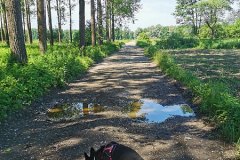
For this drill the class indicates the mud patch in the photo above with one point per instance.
(149, 111)
(73, 111)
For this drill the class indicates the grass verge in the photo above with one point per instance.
(22, 84)
(214, 99)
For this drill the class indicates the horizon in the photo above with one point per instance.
(160, 11)
(150, 14)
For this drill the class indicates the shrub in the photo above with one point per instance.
(150, 51)
(143, 40)
(20, 85)
(142, 43)
(219, 44)
(177, 41)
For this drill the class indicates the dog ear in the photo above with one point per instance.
(92, 153)
(86, 156)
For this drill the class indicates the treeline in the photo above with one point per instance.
(120, 34)
(202, 23)
(107, 19)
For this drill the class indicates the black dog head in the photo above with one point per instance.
(92, 155)
(114, 151)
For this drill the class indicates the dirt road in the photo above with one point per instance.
(121, 79)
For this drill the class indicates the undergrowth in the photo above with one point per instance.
(215, 99)
(22, 84)
(176, 42)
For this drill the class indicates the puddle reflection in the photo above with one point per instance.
(150, 111)
(73, 110)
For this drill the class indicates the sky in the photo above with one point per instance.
(152, 12)
(155, 12)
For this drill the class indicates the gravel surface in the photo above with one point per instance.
(125, 77)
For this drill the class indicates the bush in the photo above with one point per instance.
(228, 44)
(205, 32)
(143, 43)
(143, 40)
(219, 44)
(20, 85)
(177, 41)
(150, 51)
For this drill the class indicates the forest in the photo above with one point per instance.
(108, 69)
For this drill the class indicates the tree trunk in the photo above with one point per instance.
(28, 18)
(93, 23)
(42, 29)
(59, 20)
(16, 36)
(82, 23)
(107, 19)
(2, 30)
(50, 22)
(110, 20)
(23, 21)
(100, 21)
(5, 22)
(70, 20)
(212, 29)
(113, 21)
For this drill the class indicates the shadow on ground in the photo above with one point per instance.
(124, 77)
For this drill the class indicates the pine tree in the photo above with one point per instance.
(82, 23)
(93, 23)
(16, 36)
(42, 29)
(50, 22)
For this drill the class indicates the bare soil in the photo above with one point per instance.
(120, 79)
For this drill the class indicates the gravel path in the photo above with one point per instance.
(120, 79)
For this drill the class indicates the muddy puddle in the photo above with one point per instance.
(151, 112)
(70, 111)
(144, 110)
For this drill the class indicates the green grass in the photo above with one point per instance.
(180, 42)
(221, 66)
(214, 98)
(123, 41)
(219, 44)
(22, 84)
(143, 43)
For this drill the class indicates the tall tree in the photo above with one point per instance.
(71, 6)
(212, 11)
(93, 23)
(50, 22)
(122, 10)
(5, 22)
(28, 20)
(107, 4)
(23, 18)
(113, 21)
(58, 8)
(61, 17)
(187, 13)
(100, 22)
(42, 29)
(17, 43)
(82, 23)
(70, 19)
(2, 27)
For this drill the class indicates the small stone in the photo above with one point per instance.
(187, 138)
